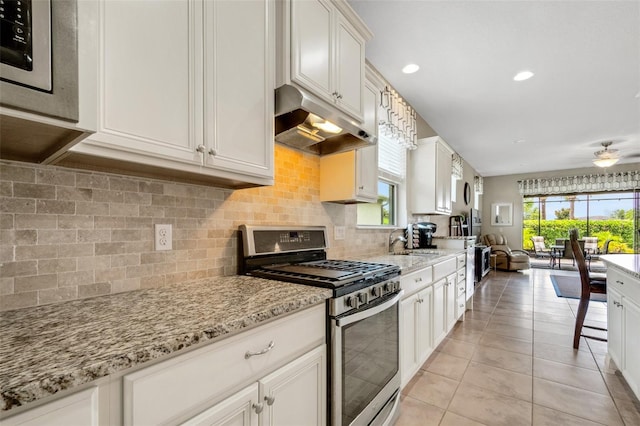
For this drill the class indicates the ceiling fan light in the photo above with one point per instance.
(605, 162)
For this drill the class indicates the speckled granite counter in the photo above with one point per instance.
(629, 263)
(51, 348)
(414, 260)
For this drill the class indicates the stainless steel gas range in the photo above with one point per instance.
(363, 317)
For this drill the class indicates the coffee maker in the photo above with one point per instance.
(420, 235)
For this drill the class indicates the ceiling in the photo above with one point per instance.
(586, 87)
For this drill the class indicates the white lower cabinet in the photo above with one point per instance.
(415, 323)
(439, 310)
(237, 410)
(614, 326)
(623, 311)
(428, 312)
(80, 408)
(451, 299)
(272, 355)
(292, 395)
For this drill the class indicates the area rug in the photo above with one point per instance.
(568, 286)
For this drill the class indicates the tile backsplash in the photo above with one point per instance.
(70, 234)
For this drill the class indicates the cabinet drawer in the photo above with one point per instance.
(416, 281)
(174, 388)
(626, 285)
(461, 304)
(461, 287)
(442, 269)
(462, 261)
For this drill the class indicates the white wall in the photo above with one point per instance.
(504, 189)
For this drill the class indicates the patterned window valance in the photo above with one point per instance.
(456, 166)
(398, 119)
(623, 181)
(478, 184)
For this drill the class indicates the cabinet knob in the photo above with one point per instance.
(201, 149)
(334, 94)
(420, 300)
(270, 400)
(258, 407)
(213, 152)
(339, 96)
(418, 280)
(620, 282)
(361, 187)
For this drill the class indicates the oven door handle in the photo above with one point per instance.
(349, 319)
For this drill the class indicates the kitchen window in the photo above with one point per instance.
(392, 165)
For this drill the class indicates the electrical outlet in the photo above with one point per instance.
(338, 232)
(163, 236)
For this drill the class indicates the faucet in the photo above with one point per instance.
(393, 240)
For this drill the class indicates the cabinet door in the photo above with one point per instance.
(312, 58)
(237, 410)
(367, 173)
(443, 179)
(451, 299)
(408, 338)
(614, 326)
(80, 408)
(439, 311)
(423, 324)
(296, 393)
(349, 68)
(631, 331)
(239, 83)
(147, 75)
(367, 158)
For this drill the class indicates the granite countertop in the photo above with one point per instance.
(47, 349)
(629, 263)
(413, 260)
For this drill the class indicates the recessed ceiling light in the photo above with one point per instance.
(410, 69)
(523, 75)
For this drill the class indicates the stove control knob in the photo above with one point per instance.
(350, 301)
(362, 298)
(375, 291)
(386, 288)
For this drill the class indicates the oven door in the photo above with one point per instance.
(365, 379)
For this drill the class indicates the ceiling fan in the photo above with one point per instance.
(606, 157)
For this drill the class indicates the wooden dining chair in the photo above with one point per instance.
(589, 284)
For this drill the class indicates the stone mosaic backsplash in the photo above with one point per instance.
(69, 234)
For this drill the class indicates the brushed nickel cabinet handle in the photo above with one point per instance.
(258, 407)
(270, 400)
(249, 354)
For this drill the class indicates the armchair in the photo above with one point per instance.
(507, 259)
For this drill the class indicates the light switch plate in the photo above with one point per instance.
(163, 237)
(338, 232)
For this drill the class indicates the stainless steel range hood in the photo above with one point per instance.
(301, 123)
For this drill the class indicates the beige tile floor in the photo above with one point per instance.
(511, 362)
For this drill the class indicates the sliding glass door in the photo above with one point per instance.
(612, 217)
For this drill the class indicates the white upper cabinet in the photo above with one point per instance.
(430, 177)
(326, 45)
(185, 93)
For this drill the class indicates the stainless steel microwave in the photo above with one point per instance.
(39, 57)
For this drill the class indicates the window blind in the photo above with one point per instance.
(392, 159)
